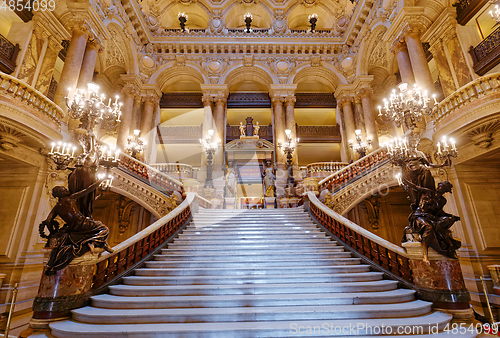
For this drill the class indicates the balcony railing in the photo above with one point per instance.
(319, 134)
(14, 89)
(176, 170)
(486, 55)
(466, 9)
(8, 55)
(456, 105)
(354, 170)
(324, 169)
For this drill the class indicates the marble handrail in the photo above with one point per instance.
(353, 169)
(324, 167)
(384, 253)
(149, 173)
(478, 88)
(132, 250)
(22, 92)
(175, 168)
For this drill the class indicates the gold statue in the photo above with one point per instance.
(242, 130)
(256, 128)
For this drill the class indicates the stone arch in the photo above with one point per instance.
(169, 73)
(320, 74)
(198, 14)
(297, 15)
(258, 73)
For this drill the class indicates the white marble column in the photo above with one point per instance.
(279, 129)
(350, 124)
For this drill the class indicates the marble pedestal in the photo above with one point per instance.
(68, 289)
(440, 282)
(495, 277)
(269, 202)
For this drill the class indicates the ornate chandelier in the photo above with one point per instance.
(89, 107)
(406, 107)
(288, 148)
(495, 14)
(60, 154)
(361, 147)
(135, 144)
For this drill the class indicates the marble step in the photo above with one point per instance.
(325, 299)
(251, 289)
(214, 257)
(300, 247)
(258, 236)
(298, 264)
(248, 258)
(242, 271)
(262, 329)
(256, 279)
(258, 231)
(263, 313)
(248, 223)
(243, 241)
(251, 251)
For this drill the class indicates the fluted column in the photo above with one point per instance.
(290, 122)
(88, 64)
(370, 125)
(219, 129)
(404, 64)
(72, 65)
(124, 127)
(419, 61)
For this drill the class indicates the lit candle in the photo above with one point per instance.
(63, 148)
(109, 103)
(434, 97)
(73, 153)
(439, 148)
(379, 110)
(453, 147)
(52, 150)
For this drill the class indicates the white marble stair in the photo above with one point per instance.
(252, 273)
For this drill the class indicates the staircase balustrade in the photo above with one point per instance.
(376, 249)
(142, 245)
(150, 174)
(352, 171)
(322, 169)
(178, 169)
(42, 107)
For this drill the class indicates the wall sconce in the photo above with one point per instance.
(248, 22)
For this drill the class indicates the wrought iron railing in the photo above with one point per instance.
(486, 55)
(467, 9)
(8, 55)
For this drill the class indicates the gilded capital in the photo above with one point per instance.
(398, 46)
(290, 99)
(365, 92)
(94, 44)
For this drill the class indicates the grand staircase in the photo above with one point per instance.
(254, 273)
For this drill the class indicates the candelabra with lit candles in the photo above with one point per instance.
(361, 147)
(135, 144)
(288, 148)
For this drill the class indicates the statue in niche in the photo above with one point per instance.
(269, 178)
(242, 130)
(256, 128)
(230, 187)
(79, 235)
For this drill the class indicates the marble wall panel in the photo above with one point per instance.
(46, 71)
(458, 60)
(31, 57)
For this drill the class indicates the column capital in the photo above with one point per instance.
(282, 91)
(343, 100)
(207, 99)
(290, 99)
(398, 46)
(365, 92)
(95, 44)
(215, 90)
